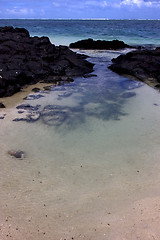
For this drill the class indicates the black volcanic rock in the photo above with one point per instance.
(2, 105)
(99, 44)
(141, 64)
(27, 60)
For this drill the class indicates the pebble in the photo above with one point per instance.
(2, 105)
(2, 116)
(17, 154)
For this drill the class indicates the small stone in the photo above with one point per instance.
(47, 88)
(157, 85)
(20, 112)
(89, 75)
(36, 89)
(2, 116)
(17, 154)
(24, 106)
(2, 105)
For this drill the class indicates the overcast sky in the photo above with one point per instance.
(75, 9)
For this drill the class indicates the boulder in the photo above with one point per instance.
(99, 44)
(144, 65)
(27, 60)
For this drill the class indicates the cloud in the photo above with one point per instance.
(19, 11)
(140, 3)
(79, 9)
(104, 3)
(96, 3)
(55, 4)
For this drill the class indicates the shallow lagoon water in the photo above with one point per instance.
(91, 158)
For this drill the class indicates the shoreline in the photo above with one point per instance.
(20, 96)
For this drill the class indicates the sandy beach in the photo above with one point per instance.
(68, 189)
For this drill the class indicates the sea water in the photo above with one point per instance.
(91, 164)
(135, 32)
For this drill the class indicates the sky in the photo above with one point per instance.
(80, 9)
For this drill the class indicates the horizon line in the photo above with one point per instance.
(84, 19)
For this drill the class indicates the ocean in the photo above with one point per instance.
(92, 172)
(63, 32)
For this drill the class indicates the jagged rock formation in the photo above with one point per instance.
(99, 44)
(141, 64)
(25, 60)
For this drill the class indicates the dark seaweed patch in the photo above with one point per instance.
(28, 107)
(33, 97)
(53, 116)
(30, 117)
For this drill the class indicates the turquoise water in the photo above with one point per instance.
(136, 32)
(91, 156)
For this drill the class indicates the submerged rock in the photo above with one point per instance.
(17, 154)
(28, 107)
(30, 116)
(26, 60)
(53, 115)
(33, 97)
(33, 116)
(99, 44)
(141, 64)
(20, 112)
